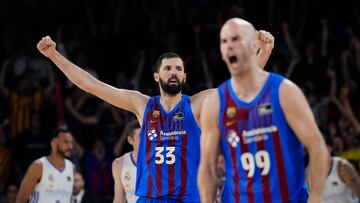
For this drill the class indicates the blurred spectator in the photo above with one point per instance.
(97, 165)
(10, 195)
(80, 195)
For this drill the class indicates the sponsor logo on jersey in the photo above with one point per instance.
(258, 134)
(152, 134)
(230, 122)
(231, 112)
(51, 177)
(265, 109)
(172, 135)
(233, 138)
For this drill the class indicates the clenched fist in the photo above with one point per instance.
(46, 46)
(266, 40)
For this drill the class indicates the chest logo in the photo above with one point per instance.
(231, 112)
(178, 116)
(265, 109)
(233, 139)
(51, 177)
(155, 114)
(127, 176)
(152, 134)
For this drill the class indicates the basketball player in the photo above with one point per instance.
(343, 182)
(169, 153)
(124, 168)
(50, 178)
(261, 121)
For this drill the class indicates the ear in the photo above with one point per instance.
(53, 143)
(156, 76)
(255, 46)
(130, 140)
(185, 77)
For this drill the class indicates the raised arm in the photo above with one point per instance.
(129, 100)
(210, 139)
(302, 122)
(119, 193)
(31, 178)
(266, 42)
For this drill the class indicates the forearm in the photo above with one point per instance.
(318, 168)
(207, 183)
(79, 77)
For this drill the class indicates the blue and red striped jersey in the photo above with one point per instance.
(263, 158)
(169, 152)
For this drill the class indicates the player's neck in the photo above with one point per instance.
(247, 85)
(134, 155)
(57, 160)
(169, 102)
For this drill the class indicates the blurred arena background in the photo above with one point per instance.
(317, 45)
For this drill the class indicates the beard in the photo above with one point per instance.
(172, 89)
(62, 153)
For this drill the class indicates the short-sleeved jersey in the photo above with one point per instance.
(263, 157)
(169, 152)
(55, 186)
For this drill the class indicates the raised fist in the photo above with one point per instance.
(46, 46)
(266, 40)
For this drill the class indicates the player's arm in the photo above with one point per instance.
(300, 118)
(210, 139)
(119, 193)
(266, 43)
(349, 176)
(129, 100)
(31, 178)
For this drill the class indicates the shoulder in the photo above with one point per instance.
(35, 169)
(118, 162)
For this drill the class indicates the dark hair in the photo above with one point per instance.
(131, 127)
(168, 55)
(57, 132)
(326, 135)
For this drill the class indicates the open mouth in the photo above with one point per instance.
(173, 80)
(233, 59)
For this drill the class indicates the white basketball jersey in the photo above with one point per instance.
(128, 178)
(335, 190)
(55, 186)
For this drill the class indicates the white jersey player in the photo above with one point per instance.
(342, 183)
(50, 178)
(124, 168)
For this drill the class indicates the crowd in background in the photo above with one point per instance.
(317, 45)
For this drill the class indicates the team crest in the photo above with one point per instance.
(233, 139)
(156, 114)
(231, 112)
(152, 134)
(51, 177)
(178, 116)
(264, 109)
(127, 176)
